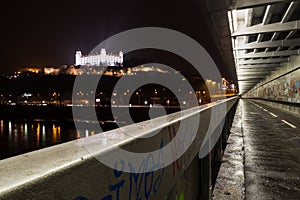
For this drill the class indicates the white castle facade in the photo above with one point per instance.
(102, 59)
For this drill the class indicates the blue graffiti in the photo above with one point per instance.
(117, 186)
(149, 181)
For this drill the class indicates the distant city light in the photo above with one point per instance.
(27, 95)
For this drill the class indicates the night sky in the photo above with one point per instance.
(47, 33)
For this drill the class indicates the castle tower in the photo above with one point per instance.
(78, 56)
(121, 57)
(103, 56)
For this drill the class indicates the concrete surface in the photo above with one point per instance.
(230, 181)
(271, 152)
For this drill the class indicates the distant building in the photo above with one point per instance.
(35, 70)
(52, 70)
(102, 59)
(72, 70)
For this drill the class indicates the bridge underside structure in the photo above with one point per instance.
(265, 39)
(258, 40)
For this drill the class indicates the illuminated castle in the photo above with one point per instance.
(102, 59)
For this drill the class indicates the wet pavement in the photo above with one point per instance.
(230, 181)
(271, 154)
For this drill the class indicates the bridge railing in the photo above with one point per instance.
(74, 170)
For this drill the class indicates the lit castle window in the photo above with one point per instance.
(102, 59)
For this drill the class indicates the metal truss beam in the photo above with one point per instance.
(275, 27)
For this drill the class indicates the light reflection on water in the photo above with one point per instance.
(26, 131)
(9, 130)
(21, 136)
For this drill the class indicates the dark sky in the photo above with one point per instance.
(47, 33)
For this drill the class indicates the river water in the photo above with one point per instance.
(21, 133)
(21, 136)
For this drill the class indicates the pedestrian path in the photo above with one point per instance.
(271, 154)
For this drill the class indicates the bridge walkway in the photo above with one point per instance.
(262, 158)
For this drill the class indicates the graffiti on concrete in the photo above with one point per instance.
(285, 88)
(141, 185)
